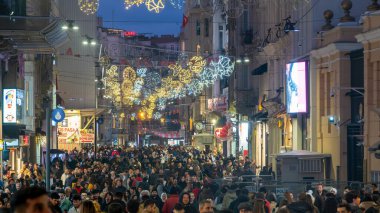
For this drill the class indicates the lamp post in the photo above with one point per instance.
(47, 107)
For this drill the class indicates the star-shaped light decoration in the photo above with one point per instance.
(155, 5)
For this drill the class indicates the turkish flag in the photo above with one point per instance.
(185, 20)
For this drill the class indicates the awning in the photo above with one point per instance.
(42, 35)
(260, 116)
(260, 70)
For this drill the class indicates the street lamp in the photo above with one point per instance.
(69, 25)
(89, 41)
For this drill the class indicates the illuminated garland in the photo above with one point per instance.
(88, 7)
(177, 3)
(157, 115)
(141, 72)
(130, 3)
(150, 92)
(155, 5)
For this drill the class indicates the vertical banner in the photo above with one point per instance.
(9, 106)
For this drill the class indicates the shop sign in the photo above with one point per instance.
(217, 104)
(1, 145)
(67, 135)
(58, 115)
(11, 143)
(218, 132)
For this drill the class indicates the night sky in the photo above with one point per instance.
(139, 19)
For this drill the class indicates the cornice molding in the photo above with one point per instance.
(334, 48)
(370, 36)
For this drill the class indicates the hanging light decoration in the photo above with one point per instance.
(196, 64)
(130, 3)
(125, 89)
(177, 3)
(141, 72)
(155, 5)
(88, 7)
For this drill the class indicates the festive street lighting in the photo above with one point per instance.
(88, 7)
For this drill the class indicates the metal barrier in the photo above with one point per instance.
(254, 182)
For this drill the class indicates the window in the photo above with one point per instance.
(221, 38)
(172, 47)
(198, 28)
(27, 98)
(206, 27)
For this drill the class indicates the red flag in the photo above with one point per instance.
(185, 20)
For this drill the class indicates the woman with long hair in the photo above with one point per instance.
(87, 207)
(259, 206)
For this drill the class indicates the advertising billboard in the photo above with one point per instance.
(244, 137)
(9, 106)
(12, 105)
(296, 87)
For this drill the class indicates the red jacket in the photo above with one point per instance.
(170, 203)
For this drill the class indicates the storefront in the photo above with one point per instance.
(75, 131)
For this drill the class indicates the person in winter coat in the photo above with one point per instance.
(242, 197)
(185, 201)
(353, 201)
(367, 203)
(157, 200)
(229, 197)
(171, 201)
(301, 206)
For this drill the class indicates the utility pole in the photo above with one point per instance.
(48, 126)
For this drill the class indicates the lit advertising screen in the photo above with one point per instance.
(296, 87)
(243, 137)
(9, 106)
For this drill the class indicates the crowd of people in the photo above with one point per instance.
(162, 180)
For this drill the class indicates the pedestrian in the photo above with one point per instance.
(185, 201)
(206, 206)
(77, 201)
(29, 199)
(87, 206)
(171, 201)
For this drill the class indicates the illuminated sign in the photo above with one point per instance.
(296, 87)
(9, 143)
(243, 137)
(12, 105)
(129, 33)
(67, 135)
(217, 104)
(9, 106)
